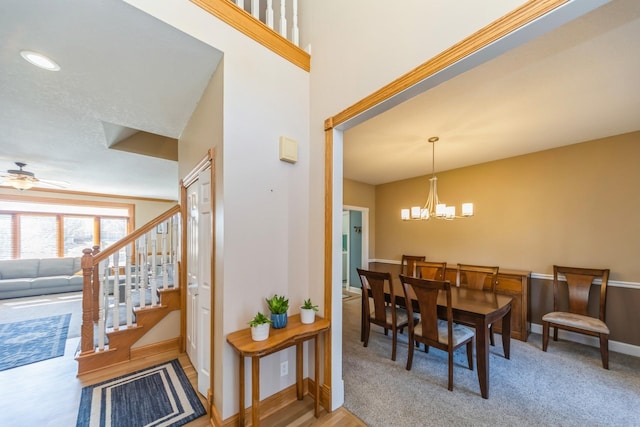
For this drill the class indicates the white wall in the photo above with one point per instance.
(265, 216)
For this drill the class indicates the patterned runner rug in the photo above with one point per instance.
(34, 340)
(157, 396)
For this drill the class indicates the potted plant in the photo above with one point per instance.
(308, 312)
(278, 305)
(260, 327)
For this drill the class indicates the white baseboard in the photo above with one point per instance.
(618, 347)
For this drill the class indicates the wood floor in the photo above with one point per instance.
(47, 394)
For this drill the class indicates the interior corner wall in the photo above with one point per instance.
(362, 195)
(574, 205)
(204, 132)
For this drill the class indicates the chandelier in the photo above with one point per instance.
(433, 208)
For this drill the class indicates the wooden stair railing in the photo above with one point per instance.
(149, 274)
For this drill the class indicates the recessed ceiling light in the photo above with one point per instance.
(39, 60)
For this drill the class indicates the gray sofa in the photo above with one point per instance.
(28, 277)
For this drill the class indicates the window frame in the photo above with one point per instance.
(17, 214)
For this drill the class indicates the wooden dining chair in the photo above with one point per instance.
(431, 270)
(478, 277)
(383, 313)
(407, 263)
(432, 331)
(576, 317)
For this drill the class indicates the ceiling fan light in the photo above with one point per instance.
(21, 184)
(40, 60)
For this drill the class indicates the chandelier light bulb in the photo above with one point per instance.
(433, 207)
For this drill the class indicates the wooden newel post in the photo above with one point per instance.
(86, 343)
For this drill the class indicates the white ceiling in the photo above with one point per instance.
(577, 83)
(121, 69)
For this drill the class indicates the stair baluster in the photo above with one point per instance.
(127, 285)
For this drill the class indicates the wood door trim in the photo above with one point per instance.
(508, 23)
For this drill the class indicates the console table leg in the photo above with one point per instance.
(299, 362)
(255, 391)
(241, 392)
(317, 375)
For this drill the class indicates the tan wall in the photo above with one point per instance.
(575, 205)
(355, 193)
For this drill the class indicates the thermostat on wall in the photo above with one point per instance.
(288, 149)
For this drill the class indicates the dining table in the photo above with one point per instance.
(476, 308)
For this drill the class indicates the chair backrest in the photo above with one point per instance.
(425, 292)
(477, 277)
(429, 270)
(579, 281)
(407, 263)
(375, 283)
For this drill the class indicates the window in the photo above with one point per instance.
(38, 236)
(78, 234)
(47, 228)
(6, 236)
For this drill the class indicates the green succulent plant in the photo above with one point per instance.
(278, 304)
(259, 319)
(308, 305)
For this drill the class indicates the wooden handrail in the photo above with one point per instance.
(136, 234)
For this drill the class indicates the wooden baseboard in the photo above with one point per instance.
(155, 348)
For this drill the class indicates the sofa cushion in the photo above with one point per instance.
(55, 267)
(76, 281)
(19, 268)
(49, 282)
(77, 265)
(14, 284)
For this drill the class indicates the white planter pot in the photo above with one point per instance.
(307, 315)
(260, 332)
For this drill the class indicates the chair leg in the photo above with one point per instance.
(545, 335)
(555, 333)
(450, 387)
(394, 339)
(410, 354)
(367, 328)
(604, 350)
(470, 354)
(491, 339)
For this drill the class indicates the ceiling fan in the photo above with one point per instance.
(24, 180)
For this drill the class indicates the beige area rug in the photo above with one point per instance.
(19, 309)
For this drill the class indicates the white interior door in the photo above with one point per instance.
(192, 273)
(199, 251)
(203, 309)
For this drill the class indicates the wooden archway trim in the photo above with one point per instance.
(510, 22)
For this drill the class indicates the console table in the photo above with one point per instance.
(295, 333)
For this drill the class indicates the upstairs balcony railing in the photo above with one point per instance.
(279, 15)
(272, 23)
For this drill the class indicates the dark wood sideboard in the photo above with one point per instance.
(514, 283)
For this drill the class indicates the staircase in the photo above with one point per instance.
(114, 315)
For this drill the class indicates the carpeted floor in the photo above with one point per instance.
(156, 396)
(30, 341)
(566, 386)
